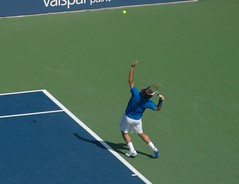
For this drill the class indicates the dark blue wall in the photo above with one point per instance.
(30, 7)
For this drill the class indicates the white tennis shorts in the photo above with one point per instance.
(134, 126)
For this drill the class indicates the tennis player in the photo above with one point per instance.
(132, 119)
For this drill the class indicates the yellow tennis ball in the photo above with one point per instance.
(124, 12)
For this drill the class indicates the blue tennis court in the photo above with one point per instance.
(43, 142)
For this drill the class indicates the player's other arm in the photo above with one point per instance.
(160, 102)
(131, 74)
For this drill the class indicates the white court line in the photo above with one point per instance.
(64, 109)
(20, 92)
(30, 114)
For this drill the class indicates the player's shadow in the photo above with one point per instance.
(118, 147)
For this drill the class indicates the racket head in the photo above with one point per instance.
(151, 90)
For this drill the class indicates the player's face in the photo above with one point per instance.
(146, 92)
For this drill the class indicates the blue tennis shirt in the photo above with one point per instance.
(137, 104)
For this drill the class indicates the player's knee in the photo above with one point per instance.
(142, 134)
(123, 133)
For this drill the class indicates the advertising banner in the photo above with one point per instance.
(9, 8)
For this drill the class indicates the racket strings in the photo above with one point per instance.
(151, 90)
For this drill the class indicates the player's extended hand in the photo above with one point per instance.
(134, 63)
(162, 97)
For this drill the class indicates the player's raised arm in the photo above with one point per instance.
(131, 74)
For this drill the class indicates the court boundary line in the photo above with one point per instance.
(99, 9)
(135, 172)
(30, 114)
(21, 92)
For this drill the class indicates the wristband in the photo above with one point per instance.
(160, 102)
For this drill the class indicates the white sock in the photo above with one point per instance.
(131, 147)
(151, 145)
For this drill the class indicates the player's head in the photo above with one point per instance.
(147, 92)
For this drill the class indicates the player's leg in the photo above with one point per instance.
(126, 137)
(147, 140)
(132, 152)
(137, 127)
(125, 125)
(145, 137)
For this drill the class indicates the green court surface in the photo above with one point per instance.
(191, 50)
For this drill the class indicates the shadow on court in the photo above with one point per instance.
(118, 147)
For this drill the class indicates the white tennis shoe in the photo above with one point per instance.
(131, 154)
